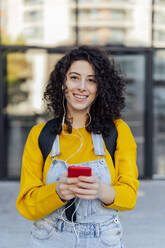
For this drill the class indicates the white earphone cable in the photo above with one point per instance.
(80, 136)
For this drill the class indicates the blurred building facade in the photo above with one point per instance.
(100, 22)
(38, 32)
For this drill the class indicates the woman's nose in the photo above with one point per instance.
(82, 84)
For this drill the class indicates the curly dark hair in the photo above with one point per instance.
(110, 98)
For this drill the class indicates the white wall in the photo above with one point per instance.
(140, 34)
(56, 21)
(14, 18)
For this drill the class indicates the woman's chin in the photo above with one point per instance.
(80, 109)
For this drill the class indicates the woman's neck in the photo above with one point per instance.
(79, 119)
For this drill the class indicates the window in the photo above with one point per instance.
(159, 36)
(117, 35)
(32, 16)
(33, 33)
(33, 1)
(159, 18)
(118, 15)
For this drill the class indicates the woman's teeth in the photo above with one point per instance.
(81, 97)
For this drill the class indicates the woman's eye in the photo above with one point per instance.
(74, 78)
(92, 80)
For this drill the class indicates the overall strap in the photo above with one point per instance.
(55, 147)
(46, 138)
(98, 144)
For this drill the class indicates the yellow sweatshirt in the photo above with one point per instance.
(37, 200)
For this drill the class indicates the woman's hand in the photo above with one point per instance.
(90, 188)
(86, 187)
(64, 185)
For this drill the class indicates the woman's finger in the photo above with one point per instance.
(91, 179)
(83, 191)
(64, 186)
(85, 185)
(69, 180)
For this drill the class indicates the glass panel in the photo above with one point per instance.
(159, 113)
(26, 76)
(37, 22)
(133, 67)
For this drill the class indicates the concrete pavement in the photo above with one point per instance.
(144, 227)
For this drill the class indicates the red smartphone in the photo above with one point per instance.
(75, 171)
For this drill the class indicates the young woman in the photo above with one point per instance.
(86, 93)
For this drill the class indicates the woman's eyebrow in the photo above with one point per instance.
(72, 72)
(93, 75)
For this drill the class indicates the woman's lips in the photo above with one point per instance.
(80, 98)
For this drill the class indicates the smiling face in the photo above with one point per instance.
(81, 86)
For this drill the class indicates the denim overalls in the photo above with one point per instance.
(95, 226)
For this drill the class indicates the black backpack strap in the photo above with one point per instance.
(46, 138)
(110, 141)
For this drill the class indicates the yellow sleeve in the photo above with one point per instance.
(35, 199)
(126, 183)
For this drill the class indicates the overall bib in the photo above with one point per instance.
(95, 226)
